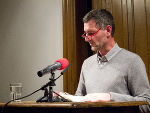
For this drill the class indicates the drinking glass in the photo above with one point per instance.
(15, 91)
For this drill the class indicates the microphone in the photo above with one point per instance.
(58, 65)
(62, 73)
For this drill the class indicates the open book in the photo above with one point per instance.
(72, 98)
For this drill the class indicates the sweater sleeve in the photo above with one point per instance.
(81, 90)
(138, 85)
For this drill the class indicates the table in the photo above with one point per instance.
(73, 107)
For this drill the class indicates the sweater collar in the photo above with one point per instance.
(109, 55)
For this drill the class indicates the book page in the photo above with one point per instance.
(73, 98)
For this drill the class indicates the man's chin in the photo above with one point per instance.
(94, 48)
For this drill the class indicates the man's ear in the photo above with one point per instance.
(109, 30)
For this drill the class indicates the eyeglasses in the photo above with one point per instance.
(89, 35)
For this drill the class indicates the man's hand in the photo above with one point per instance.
(97, 97)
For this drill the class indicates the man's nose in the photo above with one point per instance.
(87, 39)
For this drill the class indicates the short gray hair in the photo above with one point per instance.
(102, 17)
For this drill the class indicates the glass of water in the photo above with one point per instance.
(15, 91)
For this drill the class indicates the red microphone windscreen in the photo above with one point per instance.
(64, 63)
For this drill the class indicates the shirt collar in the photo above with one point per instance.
(109, 55)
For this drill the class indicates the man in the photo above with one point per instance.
(113, 73)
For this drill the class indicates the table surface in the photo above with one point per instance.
(74, 104)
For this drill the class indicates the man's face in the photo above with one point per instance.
(99, 40)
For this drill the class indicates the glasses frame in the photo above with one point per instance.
(89, 37)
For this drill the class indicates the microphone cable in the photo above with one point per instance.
(63, 99)
(5, 105)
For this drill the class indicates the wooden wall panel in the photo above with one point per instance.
(147, 2)
(118, 16)
(69, 44)
(141, 44)
(109, 5)
(103, 3)
(132, 19)
(125, 24)
(95, 6)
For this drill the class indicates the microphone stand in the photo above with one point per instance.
(48, 94)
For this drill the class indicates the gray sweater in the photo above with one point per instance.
(120, 73)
